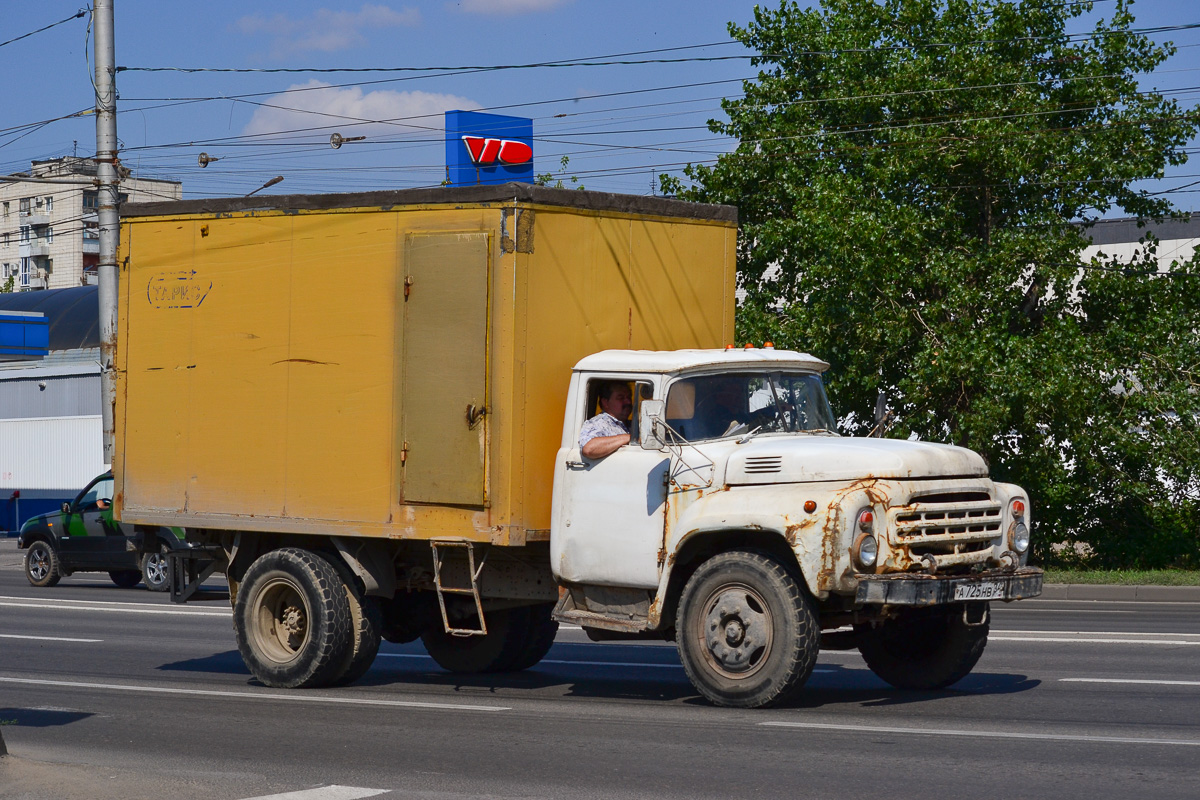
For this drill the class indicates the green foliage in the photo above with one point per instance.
(909, 178)
(548, 179)
(9, 285)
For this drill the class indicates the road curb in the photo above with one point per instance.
(1153, 594)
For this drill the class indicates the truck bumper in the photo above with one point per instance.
(930, 590)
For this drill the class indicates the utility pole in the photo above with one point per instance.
(109, 222)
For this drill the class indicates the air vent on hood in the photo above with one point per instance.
(761, 465)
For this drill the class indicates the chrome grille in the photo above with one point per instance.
(921, 524)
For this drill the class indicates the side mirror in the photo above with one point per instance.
(66, 508)
(651, 412)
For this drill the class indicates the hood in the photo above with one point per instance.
(801, 459)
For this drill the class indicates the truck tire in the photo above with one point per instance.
(125, 578)
(927, 648)
(156, 570)
(498, 651)
(748, 636)
(539, 632)
(41, 564)
(292, 620)
(366, 627)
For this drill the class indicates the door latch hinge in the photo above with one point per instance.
(404, 454)
(408, 282)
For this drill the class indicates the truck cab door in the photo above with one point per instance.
(610, 513)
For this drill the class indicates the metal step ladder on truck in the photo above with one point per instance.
(366, 410)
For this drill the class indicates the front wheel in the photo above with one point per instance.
(748, 635)
(927, 648)
(41, 564)
(292, 619)
(156, 570)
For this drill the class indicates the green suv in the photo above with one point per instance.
(84, 537)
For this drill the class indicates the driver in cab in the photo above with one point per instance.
(605, 433)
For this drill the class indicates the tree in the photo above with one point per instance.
(914, 179)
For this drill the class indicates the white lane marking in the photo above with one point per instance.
(1130, 680)
(983, 734)
(46, 638)
(80, 602)
(1106, 640)
(1076, 610)
(576, 663)
(1098, 633)
(325, 793)
(298, 697)
(191, 612)
(1130, 601)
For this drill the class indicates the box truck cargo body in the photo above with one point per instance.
(392, 364)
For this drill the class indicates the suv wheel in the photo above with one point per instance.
(156, 570)
(41, 564)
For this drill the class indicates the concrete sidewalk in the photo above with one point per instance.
(1154, 594)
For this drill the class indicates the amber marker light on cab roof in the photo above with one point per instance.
(749, 345)
(768, 345)
(728, 347)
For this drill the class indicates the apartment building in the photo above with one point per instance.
(49, 235)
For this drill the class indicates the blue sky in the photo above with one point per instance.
(618, 124)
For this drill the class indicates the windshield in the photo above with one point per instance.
(732, 404)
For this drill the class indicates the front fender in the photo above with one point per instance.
(819, 540)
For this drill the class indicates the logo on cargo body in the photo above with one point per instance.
(177, 290)
(485, 152)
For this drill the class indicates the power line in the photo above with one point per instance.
(81, 12)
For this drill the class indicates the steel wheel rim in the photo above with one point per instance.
(735, 633)
(39, 563)
(156, 569)
(283, 615)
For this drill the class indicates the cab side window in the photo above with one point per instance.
(97, 496)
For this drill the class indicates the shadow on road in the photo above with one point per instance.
(659, 678)
(39, 718)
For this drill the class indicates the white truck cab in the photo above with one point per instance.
(738, 521)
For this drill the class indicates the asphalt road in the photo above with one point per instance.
(112, 693)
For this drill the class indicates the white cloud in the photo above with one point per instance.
(326, 31)
(337, 108)
(499, 7)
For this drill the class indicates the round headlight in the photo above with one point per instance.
(1020, 537)
(866, 550)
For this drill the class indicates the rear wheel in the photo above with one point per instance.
(507, 644)
(927, 648)
(539, 633)
(156, 570)
(293, 620)
(748, 636)
(126, 578)
(366, 621)
(41, 564)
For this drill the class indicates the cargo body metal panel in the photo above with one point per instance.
(270, 375)
(51, 453)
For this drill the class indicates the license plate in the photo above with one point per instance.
(985, 590)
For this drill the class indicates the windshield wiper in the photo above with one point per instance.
(749, 435)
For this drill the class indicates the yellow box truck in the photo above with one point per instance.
(371, 412)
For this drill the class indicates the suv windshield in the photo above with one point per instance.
(731, 404)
